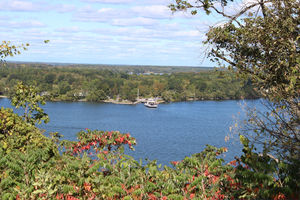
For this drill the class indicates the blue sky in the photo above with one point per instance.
(142, 32)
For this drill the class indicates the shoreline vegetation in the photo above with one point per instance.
(126, 84)
(127, 102)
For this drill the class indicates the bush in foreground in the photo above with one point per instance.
(96, 167)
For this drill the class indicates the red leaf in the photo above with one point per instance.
(192, 196)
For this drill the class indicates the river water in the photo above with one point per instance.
(168, 133)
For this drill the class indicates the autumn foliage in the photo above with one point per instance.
(33, 166)
(95, 167)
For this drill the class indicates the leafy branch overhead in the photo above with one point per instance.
(261, 40)
(8, 49)
(206, 5)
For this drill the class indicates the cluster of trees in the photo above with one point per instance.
(71, 84)
(33, 166)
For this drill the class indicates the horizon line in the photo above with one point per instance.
(133, 65)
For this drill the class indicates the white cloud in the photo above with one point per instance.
(22, 24)
(192, 33)
(90, 14)
(4, 17)
(109, 1)
(64, 8)
(154, 11)
(115, 17)
(23, 6)
(102, 31)
(156, 2)
(139, 2)
(73, 29)
(139, 21)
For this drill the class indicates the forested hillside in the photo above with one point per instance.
(93, 84)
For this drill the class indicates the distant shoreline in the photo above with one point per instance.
(127, 102)
(113, 101)
(124, 102)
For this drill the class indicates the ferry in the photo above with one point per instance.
(151, 103)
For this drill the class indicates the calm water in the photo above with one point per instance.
(168, 133)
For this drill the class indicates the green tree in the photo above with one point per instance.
(50, 78)
(2, 88)
(63, 87)
(95, 95)
(261, 42)
(28, 98)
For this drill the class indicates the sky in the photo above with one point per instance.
(132, 32)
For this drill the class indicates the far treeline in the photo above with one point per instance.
(97, 84)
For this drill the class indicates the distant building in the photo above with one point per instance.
(45, 93)
(80, 94)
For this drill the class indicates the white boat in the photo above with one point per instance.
(151, 103)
